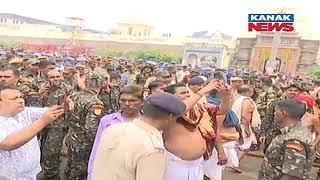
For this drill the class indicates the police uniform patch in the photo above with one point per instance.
(97, 109)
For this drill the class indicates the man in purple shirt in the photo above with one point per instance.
(130, 102)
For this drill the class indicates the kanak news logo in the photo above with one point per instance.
(270, 22)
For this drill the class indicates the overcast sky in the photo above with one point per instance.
(176, 16)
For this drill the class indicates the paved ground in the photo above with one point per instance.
(249, 165)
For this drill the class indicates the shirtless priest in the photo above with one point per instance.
(190, 139)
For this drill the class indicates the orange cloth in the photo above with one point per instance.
(200, 117)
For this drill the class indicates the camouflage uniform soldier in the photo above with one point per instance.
(115, 88)
(265, 97)
(30, 78)
(269, 128)
(92, 66)
(31, 97)
(11, 76)
(83, 125)
(56, 131)
(105, 97)
(45, 66)
(290, 155)
(68, 75)
(110, 95)
(32, 74)
(255, 81)
(144, 75)
(81, 69)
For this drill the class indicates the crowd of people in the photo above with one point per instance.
(118, 119)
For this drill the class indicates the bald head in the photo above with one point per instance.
(245, 90)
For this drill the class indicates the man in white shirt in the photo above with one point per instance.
(19, 125)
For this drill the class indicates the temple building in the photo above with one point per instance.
(295, 52)
(213, 49)
(135, 28)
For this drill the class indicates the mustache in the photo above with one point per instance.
(126, 109)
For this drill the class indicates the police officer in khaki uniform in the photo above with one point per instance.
(135, 151)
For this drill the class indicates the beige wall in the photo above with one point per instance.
(29, 30)
(137, 30)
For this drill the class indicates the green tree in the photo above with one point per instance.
(109, 52)
(314, 70)
(162, 56)
(154, 54)
(9, 43)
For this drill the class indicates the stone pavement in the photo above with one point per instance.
(249, 165)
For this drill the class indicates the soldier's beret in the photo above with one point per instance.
(45, 63)
(99, 74)
(111, 67)
(168, 103)
(197, 80)
(163, 73)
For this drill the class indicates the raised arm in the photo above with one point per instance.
(226, 101)
(19, 138)
(195, 97)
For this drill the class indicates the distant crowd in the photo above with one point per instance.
(113, 118)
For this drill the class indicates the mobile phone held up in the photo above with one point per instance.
(62, 102)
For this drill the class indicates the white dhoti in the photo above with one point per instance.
(247, 141)
(179, 169)
(212, 169)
